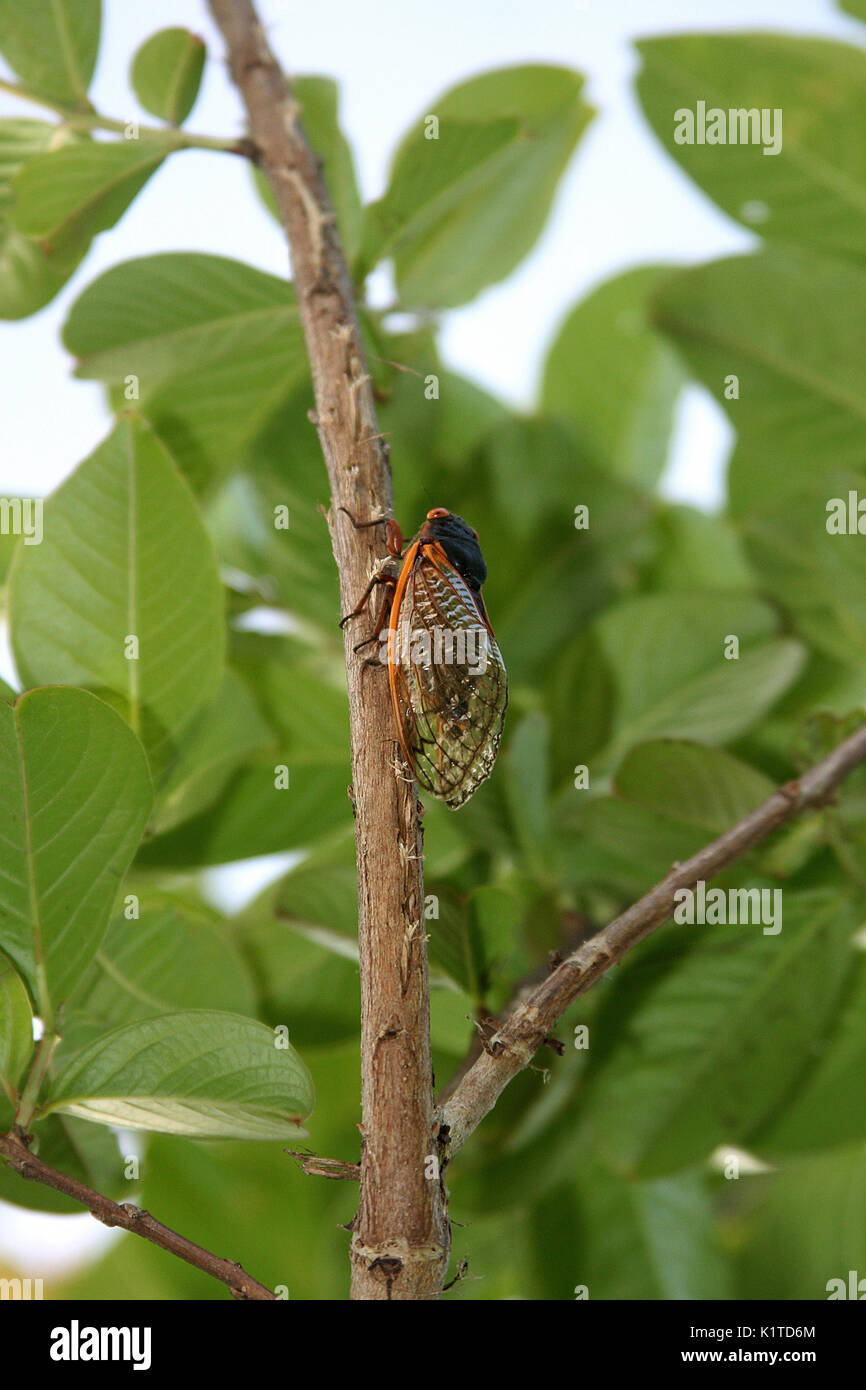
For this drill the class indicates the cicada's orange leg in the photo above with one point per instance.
(394, 541)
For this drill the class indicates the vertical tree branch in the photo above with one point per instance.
(401, 1236)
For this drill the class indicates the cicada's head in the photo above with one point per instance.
(459, 542)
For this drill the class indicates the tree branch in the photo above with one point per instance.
(518, 1039)
(14, 1149)
(401, 1236)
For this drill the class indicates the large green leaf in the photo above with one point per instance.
(829, 1106)
(627, 1240)
(258, 814)
(16, 1038)
(205, 1074)
(698, 550)
(817, 576)
(619, 845)
(287, 797)
(73, 608)
(224, 736)
(75, 795)
(31, 272)
(300, 940)
(667, 653)
(52, 45)
(526, 763)
(804, 1228)
(166, 73)
(67, 196)
(462, 210)
(267, 523)
(703, 785)
(210, 346)
(171, 956)
(813, 189)
(610, 371)
(703, 1033)
(789, 325)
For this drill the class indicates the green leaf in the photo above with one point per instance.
(75, 799)
(261, 811)
(829, 1106)
(318, 100)
(812, 190)
(154, 577)
(697, 550)
(52, 45)
(16, 1037)
(31, 273)
(628, 1240)
(67, 196)
(704, 1032)
(225, 735)
(702, 785)
(201, 1073)
(215, 346)
(166, 73)
(672, 678)
(256, 817)
(300, 940)
(610, 371)
(804, 1229)
(135, 972)
(454, 942)
(527, 786)
(788, 325)
(817, 577)
(620, 845)
(462, 211)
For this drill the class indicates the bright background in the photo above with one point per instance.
(621, 203)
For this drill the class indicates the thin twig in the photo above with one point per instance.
(401, 1236)
(242, 1285)
(317, 1167)
(519, 1038)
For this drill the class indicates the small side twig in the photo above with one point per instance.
(316, 1167)
(531, 1023)
(13, 1148)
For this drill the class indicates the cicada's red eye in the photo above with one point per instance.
(437, 513)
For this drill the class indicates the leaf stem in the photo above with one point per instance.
(35, 1077)
(87, 118)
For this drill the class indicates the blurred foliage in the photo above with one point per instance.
(686, 661)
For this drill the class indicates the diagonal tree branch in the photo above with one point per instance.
(518, 1039)
(14, 1150)
(401, 1237)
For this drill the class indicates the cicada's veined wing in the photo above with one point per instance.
(448, 682)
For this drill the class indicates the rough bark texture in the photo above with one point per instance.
(401, 1237)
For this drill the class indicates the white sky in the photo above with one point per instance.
(622, 202)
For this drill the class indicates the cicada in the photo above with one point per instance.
(449, 688)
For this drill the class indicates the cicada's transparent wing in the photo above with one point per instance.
(448, 681)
